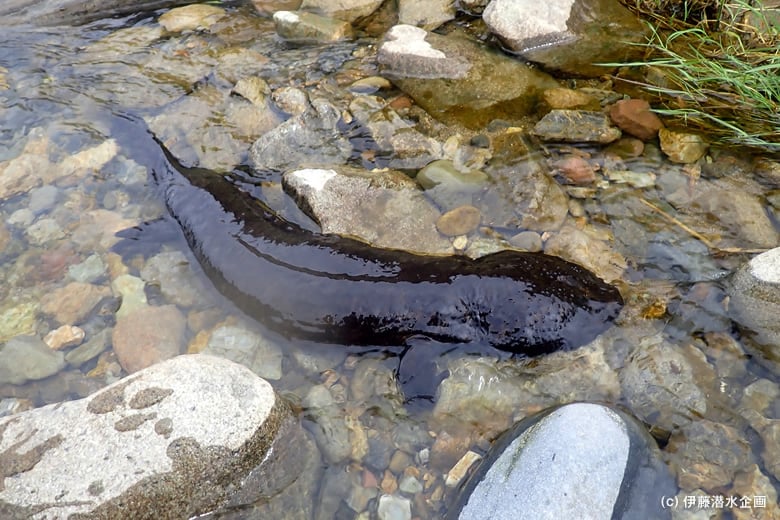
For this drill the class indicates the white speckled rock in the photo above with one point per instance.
(577, 461)
(144, 446)
(386, 209)
(755, 303)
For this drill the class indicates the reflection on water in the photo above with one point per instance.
(59, 89)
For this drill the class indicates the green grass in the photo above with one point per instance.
(720, 76)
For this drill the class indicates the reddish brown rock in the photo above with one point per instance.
(577, 170)
(634, 117)
(72, 303)
(459, 221)
(147, 336)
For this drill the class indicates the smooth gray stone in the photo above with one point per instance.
(576, 461)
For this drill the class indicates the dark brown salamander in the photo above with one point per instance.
(334, 289)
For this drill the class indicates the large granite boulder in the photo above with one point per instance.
(755, 305)
(571, 36)
(457, 80)
(176, 440)
(579, 460)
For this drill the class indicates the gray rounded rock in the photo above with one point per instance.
(580, 460)
(755, 304)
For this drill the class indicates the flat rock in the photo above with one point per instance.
(755, 304)
(72, 303)
(144, 446)
(251, 350)
(383, 208)
(570, 36)
(580, 460)
(576, 126)
(577, 246)
(428, 15)
(148, 335)
(396, 142)
(305, 139)
(457, 80)
(191, 17)
(348, 10)
(27, 358)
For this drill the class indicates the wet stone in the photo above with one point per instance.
(247, 348)
(308, 28)
(448, 186)
(710, 454)
(131, 290)
(147, 336)
(682, 147)
(599, 454)
(329, 426)
(177, 281)
(43, 199)
(71, 304)
(634, 117)
(89, 271)
(90, 349)
(581, 248)
(27, 358)
(576, 126)
(569, 99)
(385, 209)
(348, 10)
(64, 337)
(459, 221)
(191, 17)
(393, 507)
(458, 80)
(527, 241)
(428, 15)
(44, 231)
(18, 319)
(755, 304)
(659, 384)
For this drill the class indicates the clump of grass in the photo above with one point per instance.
(720, 75)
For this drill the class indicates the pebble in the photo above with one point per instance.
(21, 218)
(247, 348)
(43, 199)
(634, 117)
(681, 147)
(147, 336)
(459, 221)
(71, 304)
(18, 319)
(131, 289)
(393, 507)
(576, 170)
(27, 358)
(527, 241)
(89, 271)
(576, 126)
(177, 281)
(64, 337)
(459, 471)
(44, 231)
(91, 349)
(410, 485)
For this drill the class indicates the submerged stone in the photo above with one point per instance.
(572, 36)
(755, 304)
(580, 460)
(28, 358)
(458, 80)
(303, 27)
(576, 126)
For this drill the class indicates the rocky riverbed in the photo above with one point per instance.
(432, 142)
